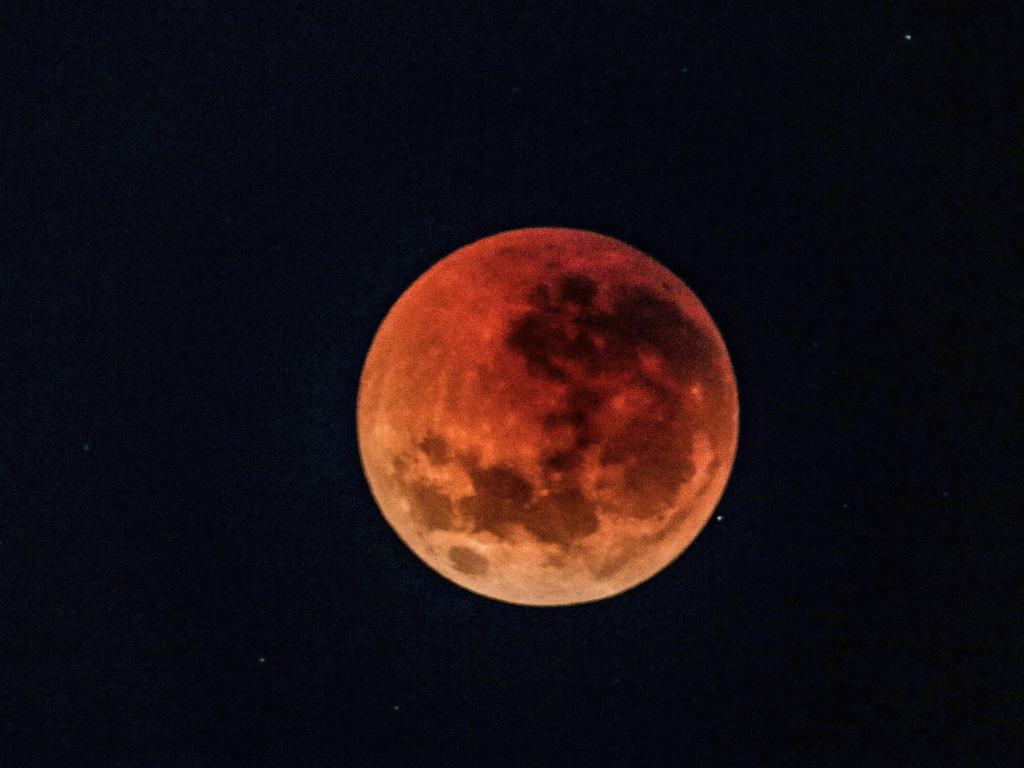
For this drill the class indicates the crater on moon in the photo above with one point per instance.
(553, 410)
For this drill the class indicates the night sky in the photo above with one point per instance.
(206, 212)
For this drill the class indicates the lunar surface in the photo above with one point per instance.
(547, 417)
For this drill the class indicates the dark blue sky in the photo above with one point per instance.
(206, 212)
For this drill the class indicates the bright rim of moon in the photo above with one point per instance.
(547, 416)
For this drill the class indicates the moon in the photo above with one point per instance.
(547, 416)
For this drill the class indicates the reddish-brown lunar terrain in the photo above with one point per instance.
(547, 416)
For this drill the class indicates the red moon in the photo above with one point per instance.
(547, 416)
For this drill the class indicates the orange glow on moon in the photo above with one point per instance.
(547, 416)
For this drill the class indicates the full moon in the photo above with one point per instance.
(547, 416)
